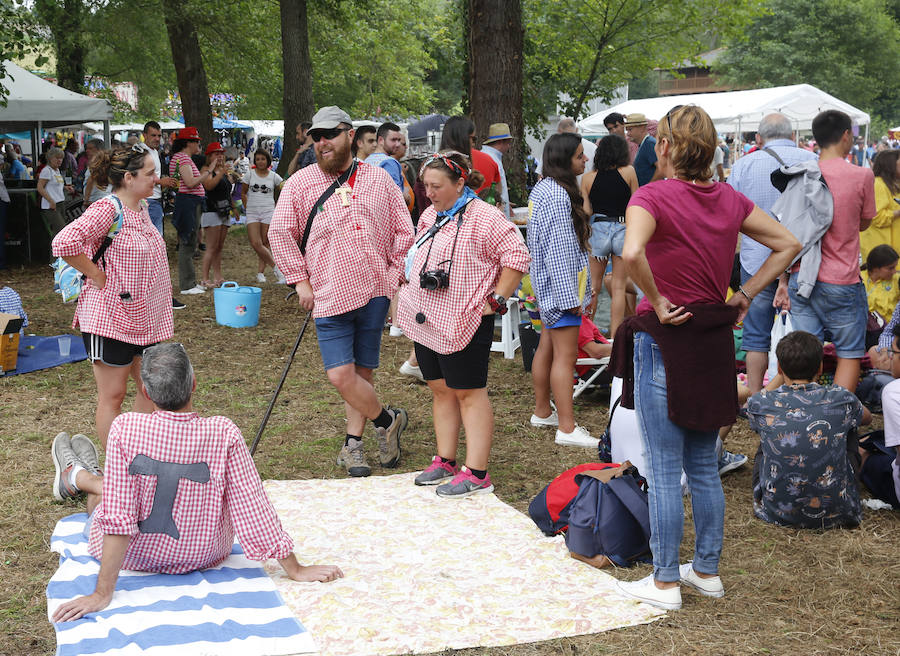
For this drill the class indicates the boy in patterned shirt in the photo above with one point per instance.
(176, 490)
(805, 470)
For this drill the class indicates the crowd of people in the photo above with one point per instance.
(356, 233)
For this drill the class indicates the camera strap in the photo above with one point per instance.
(348, 175)
(435, 228)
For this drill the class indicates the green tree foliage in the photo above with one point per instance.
(849, 48)
(18, 39)
(585, 49)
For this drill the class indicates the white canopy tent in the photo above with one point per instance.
(737, 111)
(33, 104)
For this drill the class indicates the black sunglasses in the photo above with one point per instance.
(669, 118)
(318, 135)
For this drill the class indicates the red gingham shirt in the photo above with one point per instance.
(184, 161)
(135, 262)
(354, 253)
(488, 242)
(206, 515)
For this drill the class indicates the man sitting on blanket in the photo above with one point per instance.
(176, 490)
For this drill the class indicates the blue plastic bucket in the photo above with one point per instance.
(236, 306)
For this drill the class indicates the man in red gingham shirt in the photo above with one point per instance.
(176, 490)
(347, 273)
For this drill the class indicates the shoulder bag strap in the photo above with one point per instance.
(318, 204)
(633, 500)
(774, 154)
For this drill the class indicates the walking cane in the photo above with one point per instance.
(284, 374)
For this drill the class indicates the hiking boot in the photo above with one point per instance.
(87, 454)
(465, 484)
(437, 472)
(389, 438)
(729, 461)
(353, 458)
(64, 459)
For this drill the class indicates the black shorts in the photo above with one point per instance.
(111, 351)
(465, 369)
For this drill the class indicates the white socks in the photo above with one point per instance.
(73, 475)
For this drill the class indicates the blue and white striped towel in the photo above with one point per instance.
(230, 610)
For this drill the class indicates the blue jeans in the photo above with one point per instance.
(155, 209)
(353, 337)
(842, 310)
(668, 448)
(757, 335)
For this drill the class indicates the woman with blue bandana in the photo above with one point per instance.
(466, 261)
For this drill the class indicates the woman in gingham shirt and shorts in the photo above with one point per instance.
(125, 304)
(452, 326)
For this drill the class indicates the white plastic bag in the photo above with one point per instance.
(780, 328)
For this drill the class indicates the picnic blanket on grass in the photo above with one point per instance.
(230, 610)
(37, 353)
(425, 574)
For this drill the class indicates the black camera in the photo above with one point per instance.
(434, 279)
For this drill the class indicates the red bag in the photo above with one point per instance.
(550, 508)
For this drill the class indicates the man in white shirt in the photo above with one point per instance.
(497, 145)
(590, 148)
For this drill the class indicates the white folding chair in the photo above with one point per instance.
(599, 366)
(509, 330)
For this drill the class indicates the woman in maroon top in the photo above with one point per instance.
(680, 239)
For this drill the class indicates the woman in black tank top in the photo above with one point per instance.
(606, 191)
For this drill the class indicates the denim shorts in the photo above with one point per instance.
(607, 237)
(567, 320)
(757, 335)
(353, 337)
(842, 310)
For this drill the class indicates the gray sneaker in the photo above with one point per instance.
(389, 438)
(436, 473)
(353, 458)
(64, 459)
(87, 454)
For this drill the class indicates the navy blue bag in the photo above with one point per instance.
(609, 519)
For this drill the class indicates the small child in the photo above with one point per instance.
(882, 289)
(805, 470)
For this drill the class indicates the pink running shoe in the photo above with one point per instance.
(465, 484)
(437, 472)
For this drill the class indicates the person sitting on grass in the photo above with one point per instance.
(176, 490)
(805, 470)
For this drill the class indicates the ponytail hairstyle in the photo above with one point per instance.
(115, 164)
(99, 167)
(454, 165)
(558, 153)
(881, 256)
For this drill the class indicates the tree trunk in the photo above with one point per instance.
(494, 42)
(189, 69)
(297, 71)
(66, 23)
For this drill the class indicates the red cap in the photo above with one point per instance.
(214, 147)
(188, 133)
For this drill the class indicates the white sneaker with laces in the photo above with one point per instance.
(578, 437)
(551, 420)
(413, 372)
(709, 587)
(646, 591)
(196, 289)
(260, 277)
(395, 331)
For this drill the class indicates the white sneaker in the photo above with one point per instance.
(578, 437)
(645, 590)
(395, 331)
(413, 372)
(260, 277)
(280, 279)
(196, 289)
(710, 587)
(551, 420)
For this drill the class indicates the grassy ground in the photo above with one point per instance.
(800, 592)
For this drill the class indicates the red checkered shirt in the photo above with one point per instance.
(488, 242)
(183, 160)
(354, 253)
(135, 263)
(207, 515)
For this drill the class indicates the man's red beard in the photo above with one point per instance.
(337, 162)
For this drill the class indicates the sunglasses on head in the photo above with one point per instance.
(318, 135)
(669, 118)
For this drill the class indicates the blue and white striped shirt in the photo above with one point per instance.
(556, 255)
